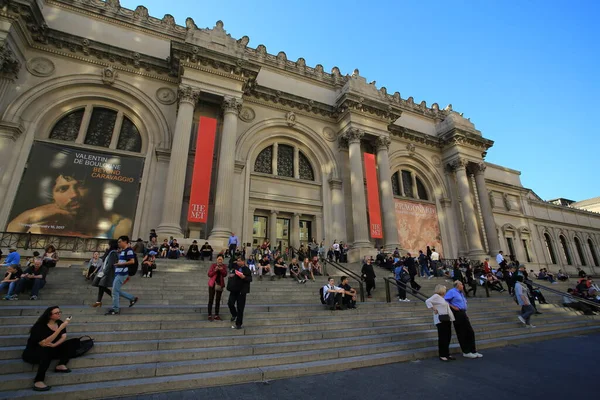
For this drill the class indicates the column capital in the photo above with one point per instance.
(479, 168)
(382, 143)
(9, 63)
(232, 105)
(353, 135)
(274, 212)
(188, 94)
(459, 163)
(335, 183)
(297, 215)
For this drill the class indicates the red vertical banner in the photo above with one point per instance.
(373, 197)
(207, 130)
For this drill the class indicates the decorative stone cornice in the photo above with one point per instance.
(11, 130)
(353, 135)
(239, 166)
(458, 164)
(342, 143)
(188, 94)
(232, 105)
(414, 136)
(382, 143)
(457, 137)
(9, 64)
(479, 168)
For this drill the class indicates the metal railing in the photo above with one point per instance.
(555, 292)
(408, 290)
(28, 241)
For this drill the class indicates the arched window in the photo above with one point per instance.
(264, 161)
(580, 251)
(550, 248)
(285, 160)
(407, 184)
(565, 249)
(306, 170)
(593, 251)
(289, 162)
(67, 128)
(105, 127)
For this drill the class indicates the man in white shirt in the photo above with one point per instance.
(332, 294)
(336, 251)
(500, 258)
(435, 259)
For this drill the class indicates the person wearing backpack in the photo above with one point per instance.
(402, 279)
(127, 259)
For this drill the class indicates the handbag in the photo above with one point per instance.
(444, 317)
(80, 346)
(218, 287)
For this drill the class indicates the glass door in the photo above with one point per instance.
(259, 230)
(305, 232)
(283, 233)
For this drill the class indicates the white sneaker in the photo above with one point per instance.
(469, 355)
(479, 355)
(529, 326)
(522, 320)
(430, 276)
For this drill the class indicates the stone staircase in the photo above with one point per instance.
(165, 342)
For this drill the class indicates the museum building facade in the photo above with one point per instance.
(117, 98)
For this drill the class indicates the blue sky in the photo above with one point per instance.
(525, 72)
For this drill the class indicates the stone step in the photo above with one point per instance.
(123, 385)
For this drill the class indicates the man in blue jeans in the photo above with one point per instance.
(424, 264)
(522, 296)
(126, 259)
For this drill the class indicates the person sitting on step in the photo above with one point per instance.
(12, 276)
(307, 272)
(264, 268)
(206, 251)
(50, 257)
(193, 251)
(93, 265)
(316, 267)
(173, 252)
(295, 271)
(349, 297)
(33, 278)
(561, 276)
(164, 248)
(149, 264)
(251, 265)
(280, 267)
(332, 295)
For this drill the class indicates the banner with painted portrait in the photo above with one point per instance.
(418, 226)
(75, 192)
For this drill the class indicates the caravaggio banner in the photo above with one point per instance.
(68, 191)
(373, 197)
(198, 210)
(418, 226)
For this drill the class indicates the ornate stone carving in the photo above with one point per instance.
(109, 75)
(9, 64)
(354, 135)
(329, 134)
(436, 161)
(261, 50)
(479, 168)
(232, 104)
(492, 200)
(168, 21)
(383, 143)
(343, 143)
(140, 12)
(459, 163)
(188, 94)
(507, 203)
(40, 66)
(290, 118)
(113, 5)
(190, 24)
(247, 114)
(411, 149)
(166, 96)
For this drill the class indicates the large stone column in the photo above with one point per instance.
(486, 209)
(223, 197)
(338, 212)
(171, 216)
(295, 231)
(390, 228)
(473, 237)
(357, 182)
(273, 229)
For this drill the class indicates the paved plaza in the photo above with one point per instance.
(545, 370)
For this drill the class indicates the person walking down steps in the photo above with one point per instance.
(238, 286)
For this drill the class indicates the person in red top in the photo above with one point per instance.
(216, 282)
(486, 266)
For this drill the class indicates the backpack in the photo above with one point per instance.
(134, 268)
(321, 296)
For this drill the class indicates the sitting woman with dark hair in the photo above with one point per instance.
(149, 264)
(280, 267)
(50, 257)
(48, 341)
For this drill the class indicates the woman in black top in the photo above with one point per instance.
(46, 343)
(368, 275)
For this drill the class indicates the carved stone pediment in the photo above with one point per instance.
(217, 39)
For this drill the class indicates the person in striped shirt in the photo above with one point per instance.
(126, 259)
